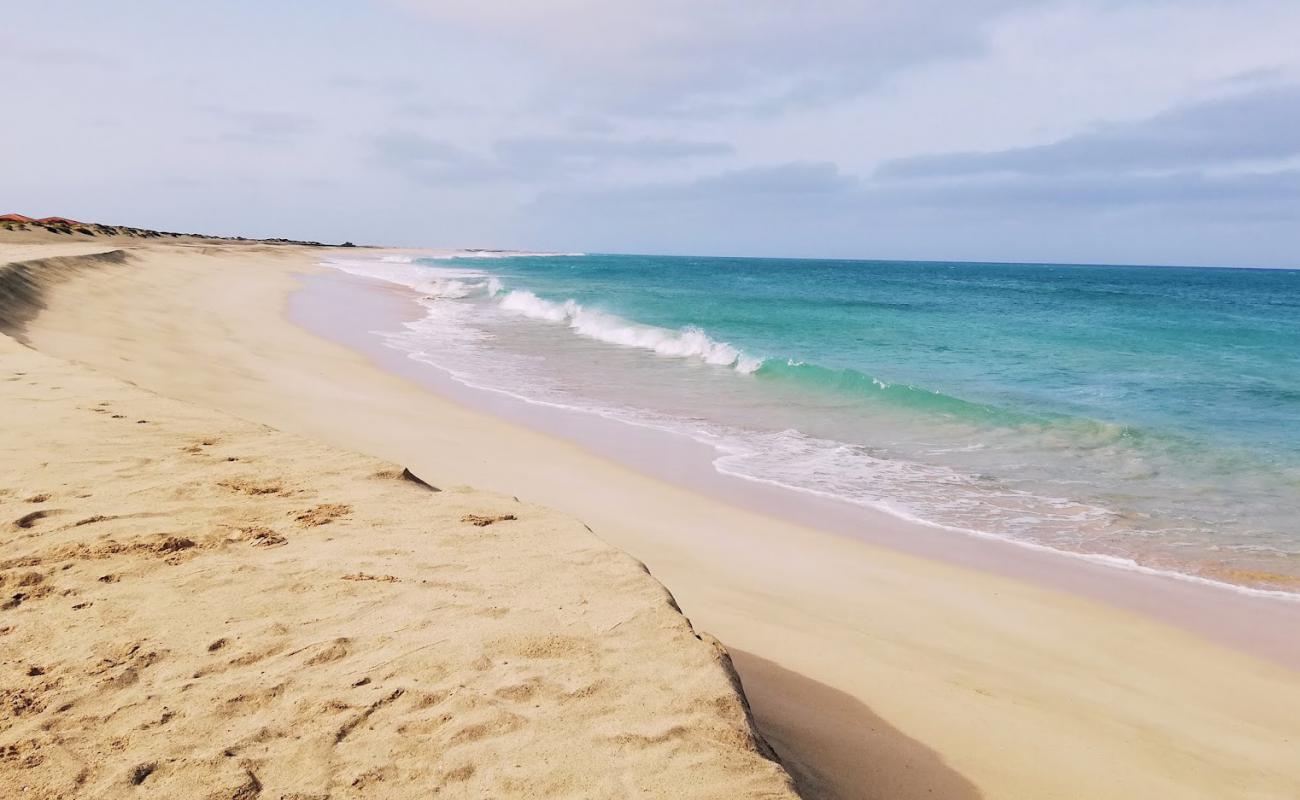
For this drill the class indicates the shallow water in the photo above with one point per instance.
(1134, 412)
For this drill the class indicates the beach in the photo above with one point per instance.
(197, 605)
(879, 665)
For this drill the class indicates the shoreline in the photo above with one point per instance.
(249, 615)
(932, 675)
(1204, 566)
(1211, 608)
(199, 605)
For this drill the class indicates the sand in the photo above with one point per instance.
(874, 673)
(199, 606)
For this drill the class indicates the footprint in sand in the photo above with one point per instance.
(141, 772)
(482, 520)
(253, 486)
(333, 652)
(28, 520)
(323, 514)
(362, 576)
(196, 447)
(259, 536)
(346, 728)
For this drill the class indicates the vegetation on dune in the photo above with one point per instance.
(70, 227)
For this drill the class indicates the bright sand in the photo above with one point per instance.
(874, 672)
(196, 605)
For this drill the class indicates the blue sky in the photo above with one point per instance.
(1103, 131)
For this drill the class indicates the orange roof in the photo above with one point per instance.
(15, 218)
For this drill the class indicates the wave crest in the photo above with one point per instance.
(688, 342)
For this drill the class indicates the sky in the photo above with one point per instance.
(1093, 131)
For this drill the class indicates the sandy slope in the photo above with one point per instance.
(874, 673)
(199, 606)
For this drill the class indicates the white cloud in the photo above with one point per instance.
(680, 57)
(451, 118)
(1050, 72)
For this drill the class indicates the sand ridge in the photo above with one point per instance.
(199, 606)
(874, 672)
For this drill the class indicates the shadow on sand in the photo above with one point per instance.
(835, 747)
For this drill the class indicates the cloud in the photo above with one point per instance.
(1263, 125)
(795, 188)
(783, 190)
(529, 158)
(1227, 197)
(775, 205)
(778, 181)
(407, 149)
(1060, 129)
(29, 55)
(816, 209)
(262, 127)
(559, 154)
(372, 84)
(683, 57)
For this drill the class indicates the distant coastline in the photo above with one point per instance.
(62, 226)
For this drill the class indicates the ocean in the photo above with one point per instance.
(1148, 417)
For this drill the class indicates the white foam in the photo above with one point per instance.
(452, 289)
(789, 460)
(493, 254)
(688, 342)
(459, 282)
(779, 467)
(424, 279)
(529, 305)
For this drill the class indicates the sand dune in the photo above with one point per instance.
(199, 606)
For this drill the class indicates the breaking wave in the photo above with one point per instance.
(462, 282)
(966, 469)
(688, 342)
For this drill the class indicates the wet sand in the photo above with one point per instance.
(196, 605)
(971, 676)
(348, 309)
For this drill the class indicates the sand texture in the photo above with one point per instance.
(200, 606)
(873, 672)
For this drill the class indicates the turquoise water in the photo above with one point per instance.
(1143, 414)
